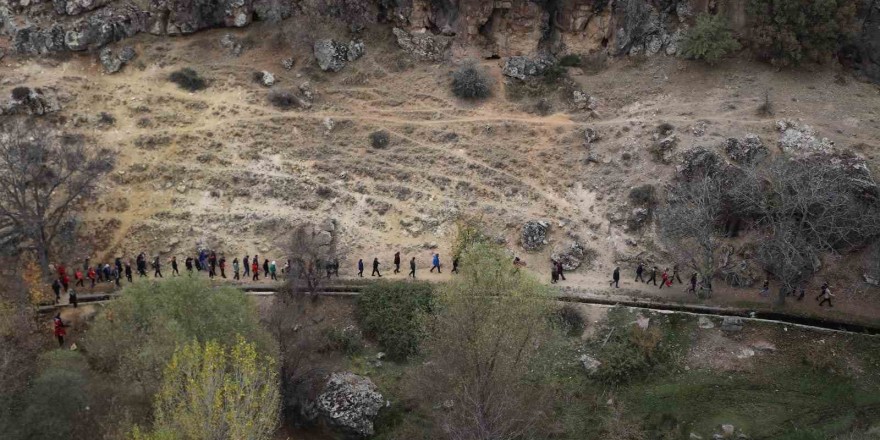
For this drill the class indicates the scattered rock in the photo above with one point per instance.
(232, 45)
(288, 63)
(328, 125)
(731, 324)
(705, 323)
(265, 78)
(699, 162)
(797, 138)
(572, 257)
(638, 218)
(113, 63)
(308, 93)
(524, 67)
(423, 45)
(727, 430)
(591, 135)
(663, 147)
(582, 101)
(34, 102)
(333, 56)
(590, 363)
(534, 235)
(749, 150)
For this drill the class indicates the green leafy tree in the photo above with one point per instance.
(136, 335)
(791, 31)
(58, 399)
(709, 40)
(393, 313)
(209, 392)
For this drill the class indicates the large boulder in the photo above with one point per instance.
(796, 138)
(699, 162)
(747, 150)
(76, 7)
(524, 67)
(534, 235)
(333, 56)
(343, 401)
(573, 256)
(178, 17)
(113, 62)
(423, 45)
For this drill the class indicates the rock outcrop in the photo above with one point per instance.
(30, 101)
(534, 235)
(113, 62)
(423, 45)
(343, 401)
(333, 56)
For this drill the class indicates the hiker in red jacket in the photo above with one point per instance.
(92, 276)
(59, 331)
(65, 282)
(78, 276)
(664, 279)
(255, 269)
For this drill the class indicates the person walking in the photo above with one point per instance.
(554, 275)
(675, 275)
(222, 264)
(157, 267)
(71, 297)
(664, 278)
(455, 265)
(265, 267)
(397, 262)
(212, 265)
(615, 278)
(825, 295)
(693, 287)
(78, 276)
(56, 287)
(653, 277)
(412, 267)
(188, 264)
(235, 268)
(117, 276)
(128, 271)
(255, 269)
(247, 265)
(65, 282)
(58, 329)
(435, 263)
(142, 265)
(62, 273)
(361, 267)
(559, 270)
(802, 292)
(765, 289)
(174, 271)
(376, 268)
(272, 269)
(640, 269)
(118, 264)
(336, 267)
(108, 273)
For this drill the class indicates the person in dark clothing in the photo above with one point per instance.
(212, 265)
(615, 278)
(198, 264)
(142, 265)
(71, 296)
(58, 329)
(693, 287)
(376, 268)
(455, 265)
(99, 273)
(108, 273)
(826, 296)
(265, 268)
(85, 267)
(675, 275)
(128, 272)
(639, 271)
(330, 267)
(397, 262)
(157, 266)
(336, 267)
(801, 293)
(554, 275)
(235, 269)
(56, 287)
(118, 264)
(117, 275)
(247, 265)
(188, 263)
(653, 277)
(435, 263)
(765, 288)
(174, 271)
(203, 259)
(223, 267)
(361, 267)
(412, 267)
(559, 270)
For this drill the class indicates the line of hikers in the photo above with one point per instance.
(435, 264)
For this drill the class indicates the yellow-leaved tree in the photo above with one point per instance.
(210, 393)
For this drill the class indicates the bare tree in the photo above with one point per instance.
(688, 225)
(43, 177)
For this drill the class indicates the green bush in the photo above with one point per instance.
(188, 79)
(347, 340)
(471, 82)
(709, 40)
(56, 402)
(392, 313)
(791, 31)
(570, 320)
(571, 60)
(136, 335)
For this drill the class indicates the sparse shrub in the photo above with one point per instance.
(543, 107)
(283, 99)
(468, 233)
(766, 107)
(21, 93)
(554, 74)
(571, 60)
(347, 340)
(380, 139)
(392, 313)
(188, 79)
(709, 40)
(105, 118)
(791, 31)
(665, 129)
(570, 319)
(471, 82)
(629, 353)
(643, 195)
(58, 397)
